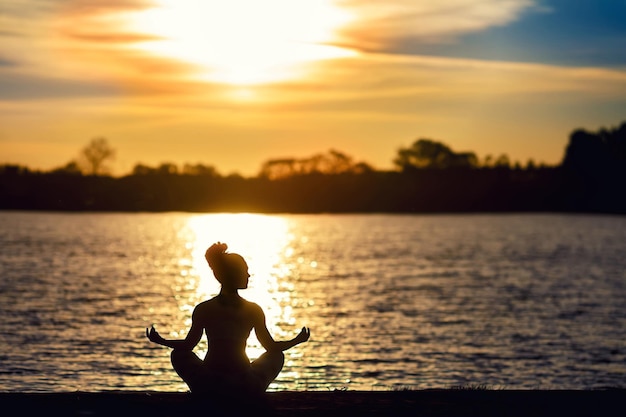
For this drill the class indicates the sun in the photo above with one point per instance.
(243, 42)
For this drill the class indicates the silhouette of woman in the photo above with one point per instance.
(227, 320)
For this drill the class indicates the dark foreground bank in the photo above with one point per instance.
(450, 403)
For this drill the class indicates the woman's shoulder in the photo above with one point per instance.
(251, 304)
(254, 307)
(204, 305)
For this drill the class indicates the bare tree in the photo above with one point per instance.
(96, 154)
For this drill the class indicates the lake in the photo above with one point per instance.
(514, 301)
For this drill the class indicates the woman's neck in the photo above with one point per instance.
(229, 298)
(229, 293)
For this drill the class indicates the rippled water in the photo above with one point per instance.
(513, 301)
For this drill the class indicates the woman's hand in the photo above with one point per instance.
(154, 336)
(303, 336)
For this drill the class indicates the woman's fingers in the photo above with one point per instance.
(305, 333)
(151, 333)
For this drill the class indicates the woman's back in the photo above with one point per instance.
(227, 322)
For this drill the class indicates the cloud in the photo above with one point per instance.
(27, 8)
(401, 84)
(109, 38)
(378, 23)
(82, 46)
(83, 7)
(24, 87)
(6, 62)
(72, 48)
(92, 38)
(32, 20)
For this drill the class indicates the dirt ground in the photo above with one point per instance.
(424, 403)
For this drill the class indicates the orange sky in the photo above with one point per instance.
(232, 86)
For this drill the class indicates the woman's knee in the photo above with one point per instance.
(275, 357)
(280, 357)
(184, 359)
(270, 362)
(188, 366)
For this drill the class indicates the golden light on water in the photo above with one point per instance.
(242, 42)
(393, 301)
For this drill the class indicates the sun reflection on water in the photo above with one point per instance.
(391, 301)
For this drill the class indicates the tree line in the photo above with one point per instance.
(429, 177)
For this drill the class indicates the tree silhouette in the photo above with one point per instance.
(593, 152)
(71, 168)
(200, 169)
(95, 155)
(429, 154)
(433, 178)
(594, 166)
(333, 162)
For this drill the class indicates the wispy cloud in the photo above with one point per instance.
(6, 62)
(93, 60)
(72, 48)
(90, 40)
(379, 23)
(33, 20)
(82, 7)
(109, 38)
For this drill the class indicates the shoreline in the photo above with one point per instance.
(425, 403)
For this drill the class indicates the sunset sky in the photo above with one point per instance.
(235, 83)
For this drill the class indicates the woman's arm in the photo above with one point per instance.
(266, 339)
(188, 343)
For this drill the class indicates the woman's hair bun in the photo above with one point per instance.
(215, 254)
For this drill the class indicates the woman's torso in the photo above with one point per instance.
(227, 324)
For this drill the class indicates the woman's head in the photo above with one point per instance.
(230, 269)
